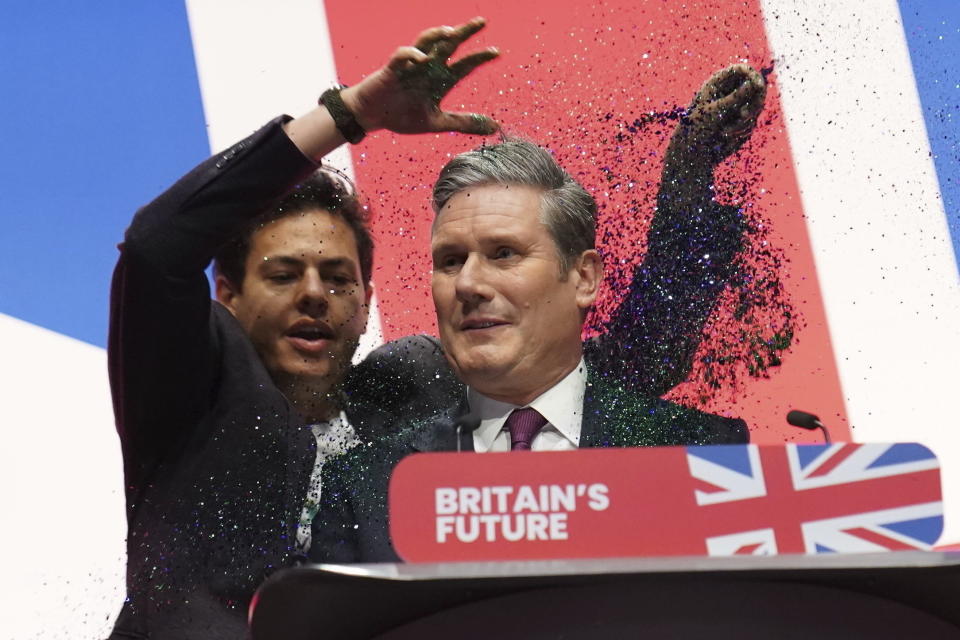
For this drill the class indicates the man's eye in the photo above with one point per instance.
(281, 278)
(504, 253)
(449, 262)
(341, 280)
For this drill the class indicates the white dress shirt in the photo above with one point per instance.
(561, 405)
(333, 438)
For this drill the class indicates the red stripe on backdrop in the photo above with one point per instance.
(569, 74)
(834, 461)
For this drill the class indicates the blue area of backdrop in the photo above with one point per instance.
(101, 111)
(932, 28)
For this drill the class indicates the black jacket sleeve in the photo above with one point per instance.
(162, 354)
(651, 339)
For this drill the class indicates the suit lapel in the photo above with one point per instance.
(614, 417)
(301, 458)
(592, 423)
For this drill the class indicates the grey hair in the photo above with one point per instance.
(567, 210)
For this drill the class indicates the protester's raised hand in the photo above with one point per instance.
(723, 114)
(404, 96)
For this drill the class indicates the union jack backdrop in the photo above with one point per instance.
(817, 498)
(856, 164)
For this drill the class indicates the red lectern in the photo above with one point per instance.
(795, 541)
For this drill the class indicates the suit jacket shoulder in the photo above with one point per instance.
(616, 417)
(402, 382)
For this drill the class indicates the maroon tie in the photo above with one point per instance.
(524, 425)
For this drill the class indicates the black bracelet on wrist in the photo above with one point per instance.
(346, 123)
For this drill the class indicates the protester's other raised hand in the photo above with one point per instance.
(723, 114)
(404, 96)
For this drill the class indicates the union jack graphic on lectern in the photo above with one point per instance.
(817, 498)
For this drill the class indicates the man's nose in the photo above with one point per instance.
(312, 295)
(472, 281)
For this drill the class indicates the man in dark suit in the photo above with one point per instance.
(515, 271)
(223, 407)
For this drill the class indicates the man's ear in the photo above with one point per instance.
(367, 301)
(368, 293)
(589, 273)
(227, 294)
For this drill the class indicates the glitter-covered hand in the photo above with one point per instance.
(404, 96)
(722, 116)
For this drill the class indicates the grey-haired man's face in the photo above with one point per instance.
(510, 325)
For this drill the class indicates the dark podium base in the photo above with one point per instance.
(891, 595)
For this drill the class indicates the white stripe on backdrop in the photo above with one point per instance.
(884, 259)
(257, 60)
(62, 485)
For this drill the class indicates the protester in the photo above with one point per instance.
(515, 271)
(224, 409)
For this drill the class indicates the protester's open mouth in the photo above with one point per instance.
(311, 337)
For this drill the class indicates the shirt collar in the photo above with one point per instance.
(561, 405)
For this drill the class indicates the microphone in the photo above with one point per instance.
(469, 423)
(807, 421)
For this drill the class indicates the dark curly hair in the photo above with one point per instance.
(325, 190)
